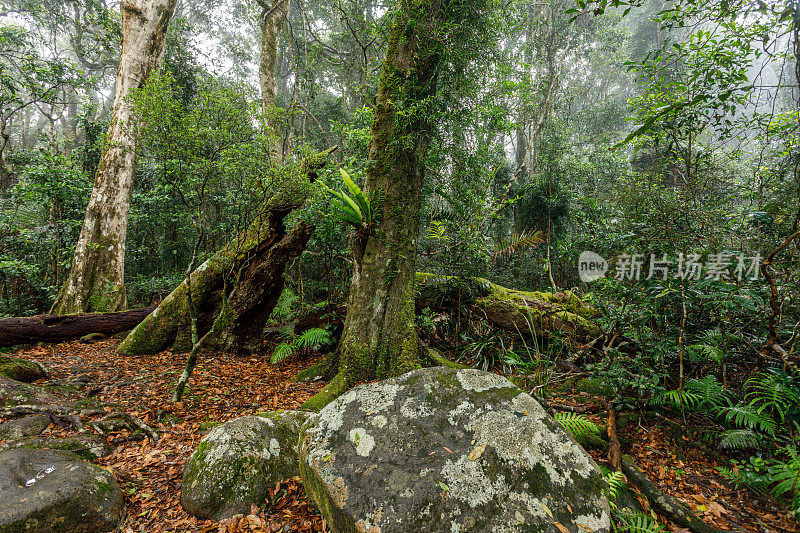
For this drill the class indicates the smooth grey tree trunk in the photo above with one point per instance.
(97, 277)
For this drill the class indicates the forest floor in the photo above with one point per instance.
(226, 386)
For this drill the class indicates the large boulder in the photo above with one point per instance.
(238, 461)
(52, 490)
(448, 450)
(20, 370)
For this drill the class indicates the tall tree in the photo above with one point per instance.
(272, 20)
(97, 278)
(379, 338)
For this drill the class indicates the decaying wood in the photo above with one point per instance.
(528, 313)
(238, 287)
(662, 503)
(54, 328)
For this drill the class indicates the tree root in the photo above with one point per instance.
(337, 386)
(435, 358)
(662, 503)
(325, 369)
(613, 440)
(73, 416)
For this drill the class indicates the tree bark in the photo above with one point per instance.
(97, 277)
(253, 268)
(379, 339)
(55, 328)
(238, 287)
(273, 18)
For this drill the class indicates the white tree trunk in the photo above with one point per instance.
(273, 18)
(97, 278)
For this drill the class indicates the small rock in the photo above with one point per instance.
(24, 427)
(92, 338)
(20, 370)
(238, 461)
(443, 449)
(86, 446)
(53, 490)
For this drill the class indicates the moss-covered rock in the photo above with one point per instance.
(85, 446)
(24, 427)
(444, 449)
(15, 393)
(238, 461)
(594, 387)
(20, 370)
(53, 490)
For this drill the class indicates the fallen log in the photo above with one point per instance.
(57, 328)
(663, 503)
(527, 313)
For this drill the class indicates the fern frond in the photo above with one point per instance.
(281, 352)
(774, 390)
(615, 481)
(747, 415)
(739, 439)
(673, 398)
(787, 477)
(314, 339)
(510, 245)
(707, 352)
(637, 522)
(285, 306)
(576, 424)
(711, 391)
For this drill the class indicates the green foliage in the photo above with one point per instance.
(578, 426)
(311, 340)
(354, 209)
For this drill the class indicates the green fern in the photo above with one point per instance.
(313, 339)
(739, 439)
(776, 393)
(711, 392)
(576, 424)
(786, 475)
(286, 305)
(615, 482)
(673, 397)
(747, 415)
(281, 352)
(355, 209)
(636, 522)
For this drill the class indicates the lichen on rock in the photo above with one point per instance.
(237, 462)
(447, 450)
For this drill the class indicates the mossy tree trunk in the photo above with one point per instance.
(237, 288)
(97, 278)
(379, 339)
(234, 292)
(272, 19)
